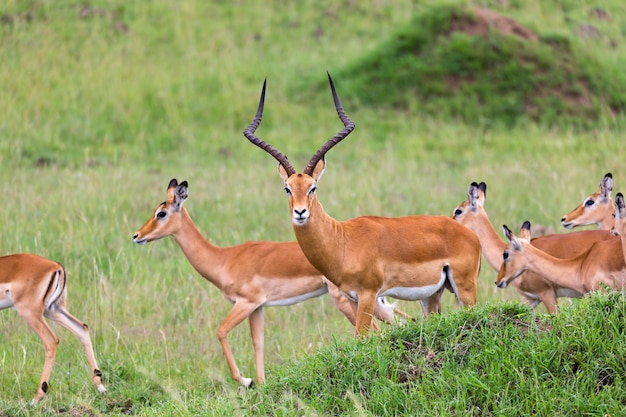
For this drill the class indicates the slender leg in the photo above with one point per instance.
(240, 311)
(257, 324)
(549, 299)
(81, 331)
(34, 318)
(365, 309)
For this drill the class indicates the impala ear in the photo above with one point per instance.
(507, 232)
(319, 169)
(524, 231)
(283, 172)
(171, 189)
(473, 196)
(181, 195)
(606, 186)
(619, 204)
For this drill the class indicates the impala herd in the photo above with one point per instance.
(359, 261)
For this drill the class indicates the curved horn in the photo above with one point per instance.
(249, 133)
(349, 127)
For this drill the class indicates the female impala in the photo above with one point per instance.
(533, 287)
(36, 287)
(595, 209)
(252, 275)
(410, 258)
(601, 266)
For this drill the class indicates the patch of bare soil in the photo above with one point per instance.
(486, 20)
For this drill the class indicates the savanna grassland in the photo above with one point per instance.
(103, 102)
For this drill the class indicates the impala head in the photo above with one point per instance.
(619, 228)
(594, 208)
(513, 257)
(476, 194)
(165, 220)
(300, 187)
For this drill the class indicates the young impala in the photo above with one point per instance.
(595, 209)
(252, 275)
(36, 287)
(533, 287)
(409, 258)
(601, 266)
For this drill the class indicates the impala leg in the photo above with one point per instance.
(240, 311)
(364, 312)
(549, 299)
(433, 304)
(257, 324)
(60, 315)
(34, 318)
(531, 300)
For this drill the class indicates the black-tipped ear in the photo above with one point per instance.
(619, 202)
(483, 187)
(507, 232)
(609, 175)
(525, 226)
(173, 183)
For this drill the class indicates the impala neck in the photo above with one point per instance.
(564, 273)
(321, 239)
(606, 223)
(205, 257)
(490, 242)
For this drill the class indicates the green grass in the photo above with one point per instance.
(100, 112)
(499, 359)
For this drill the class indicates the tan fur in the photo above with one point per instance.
(596, 208)
(251, 275)
(36, 287)
(533, 287)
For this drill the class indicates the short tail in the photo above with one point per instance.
(56, 288)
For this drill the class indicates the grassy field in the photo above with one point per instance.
(104, 102)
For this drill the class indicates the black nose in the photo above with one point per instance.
(562, 219)
(135, 236)
(300, 213)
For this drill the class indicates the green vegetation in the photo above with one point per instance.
(104, 102)
(497, 359)
(475, 65)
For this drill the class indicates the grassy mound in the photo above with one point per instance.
(497, 359)
(484, 68)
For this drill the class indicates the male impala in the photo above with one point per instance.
(601, 266)
(595, 209)
(409, 258)
(252, 275)
(36, 287)
(533, 287)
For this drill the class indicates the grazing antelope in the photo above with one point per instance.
(595, 209)
(602, 265)
(533, 287)
(36, 287)
(252, 275)
(409, 258)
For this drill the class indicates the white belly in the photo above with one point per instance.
(414, 293)
(297, 299)
(5, 299)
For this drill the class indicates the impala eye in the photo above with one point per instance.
(458, 212)
(505, 256)
(312, 190)
(589, 203)
(287, 191)
(161, 214)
